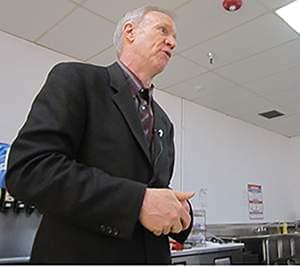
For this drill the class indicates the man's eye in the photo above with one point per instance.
(163, 30)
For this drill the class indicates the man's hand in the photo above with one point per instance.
(181, 196)
(164, 211)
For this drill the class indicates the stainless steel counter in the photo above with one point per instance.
(261, 236)
(208, 248)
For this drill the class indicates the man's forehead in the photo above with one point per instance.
(159, 18)
(159, 15)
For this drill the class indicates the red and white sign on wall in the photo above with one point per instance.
(255, 201)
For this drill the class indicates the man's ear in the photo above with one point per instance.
(129, 31)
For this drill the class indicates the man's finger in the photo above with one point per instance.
(166, 230)
(185, 220)
(185, 205)
(184, 195)
(157, 233)
(176, 227)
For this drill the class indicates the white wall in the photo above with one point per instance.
(223, 155)
(213, 151)
(23, 69)
(294, 184)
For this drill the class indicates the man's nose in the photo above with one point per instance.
(171, 42)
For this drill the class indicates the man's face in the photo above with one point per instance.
(155, 40)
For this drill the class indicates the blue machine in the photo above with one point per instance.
(4, 149)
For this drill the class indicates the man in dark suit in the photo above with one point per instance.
(96, 156)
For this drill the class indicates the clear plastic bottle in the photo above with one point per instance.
(198, 233)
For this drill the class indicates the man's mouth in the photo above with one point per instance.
(169, 54)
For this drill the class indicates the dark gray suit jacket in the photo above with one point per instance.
(82, 159)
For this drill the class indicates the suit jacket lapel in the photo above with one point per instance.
(125, 103)
(157, 144)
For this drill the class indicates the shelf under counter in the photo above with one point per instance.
(211, 253)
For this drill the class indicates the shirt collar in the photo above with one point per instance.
(133, 78)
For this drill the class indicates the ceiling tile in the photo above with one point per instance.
(231, 100)
(78, 1)
(282, 88)
(291, 108)
(285, 97)
(252, 104)
(287, 111)
(250, 38)
(274, 4)
(270, 62)
(276, 83)
(31, 18)
(260, 121)
(178, 70)
(81, 35)
(263, 107)
(292, 123)
(288, 132)
(206, 83)
(199, 21)
(115, 9)
(105, 58)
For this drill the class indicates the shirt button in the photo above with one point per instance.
(143, 107)
(115, 232)
(109, 230)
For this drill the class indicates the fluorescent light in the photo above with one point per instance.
(291, 14)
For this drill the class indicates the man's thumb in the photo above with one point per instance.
(184, 195)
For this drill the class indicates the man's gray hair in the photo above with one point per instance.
(135, 16)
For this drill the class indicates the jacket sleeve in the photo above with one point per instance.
(43, 170)
(182, 236)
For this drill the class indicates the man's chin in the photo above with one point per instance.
(158, 71)
(162, 66)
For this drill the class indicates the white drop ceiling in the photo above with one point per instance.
(256, 64)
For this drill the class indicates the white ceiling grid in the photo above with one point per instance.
(256, 55)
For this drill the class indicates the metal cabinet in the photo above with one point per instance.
(214, 258)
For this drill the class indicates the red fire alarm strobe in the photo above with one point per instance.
(232, 5)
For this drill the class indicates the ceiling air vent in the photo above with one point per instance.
(271, 114)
